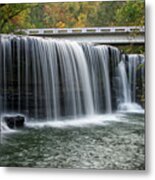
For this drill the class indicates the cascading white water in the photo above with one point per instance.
(98, 64)
(65, 72)
(124, 83)
(104, 58)
(134, 63)
(56, 77)
(129, 84)
(53, 79)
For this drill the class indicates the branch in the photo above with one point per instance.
(11, 16)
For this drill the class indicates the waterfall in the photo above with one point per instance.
(136, 73)
(124, 85)
(130, 84)
(52, 79)
(98, 64)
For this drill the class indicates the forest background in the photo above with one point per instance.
(72, 15)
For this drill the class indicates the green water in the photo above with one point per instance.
(114, 145)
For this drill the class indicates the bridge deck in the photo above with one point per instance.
(100, 35)
(84, 30)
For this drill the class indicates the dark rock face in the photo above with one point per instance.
(14, 121)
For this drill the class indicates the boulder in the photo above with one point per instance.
(14, 121)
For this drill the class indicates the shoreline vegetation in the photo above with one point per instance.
(73, 15)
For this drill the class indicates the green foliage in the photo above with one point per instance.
(129, 49)
(106, 14)
(14, 16)
(131, 13)
(71, 14)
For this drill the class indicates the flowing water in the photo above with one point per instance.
(105, 142)
(133, 84)
(66, 91)
(52, 79)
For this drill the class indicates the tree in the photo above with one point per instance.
(131, 14)
(9, 13)
(106, 13)
(71, 14)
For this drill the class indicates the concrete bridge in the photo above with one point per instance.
(97, 35)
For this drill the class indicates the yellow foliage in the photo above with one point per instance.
(60, 24)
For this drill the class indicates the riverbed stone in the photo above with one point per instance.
(14, 122)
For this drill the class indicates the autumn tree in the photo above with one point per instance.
(13, 15)
(71, 14)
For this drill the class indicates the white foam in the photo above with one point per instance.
(99, 120)
(130, 108)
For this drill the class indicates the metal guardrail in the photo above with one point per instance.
(83, 30)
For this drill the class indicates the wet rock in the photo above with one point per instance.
(14, 121)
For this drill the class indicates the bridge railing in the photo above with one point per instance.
(83, 30)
